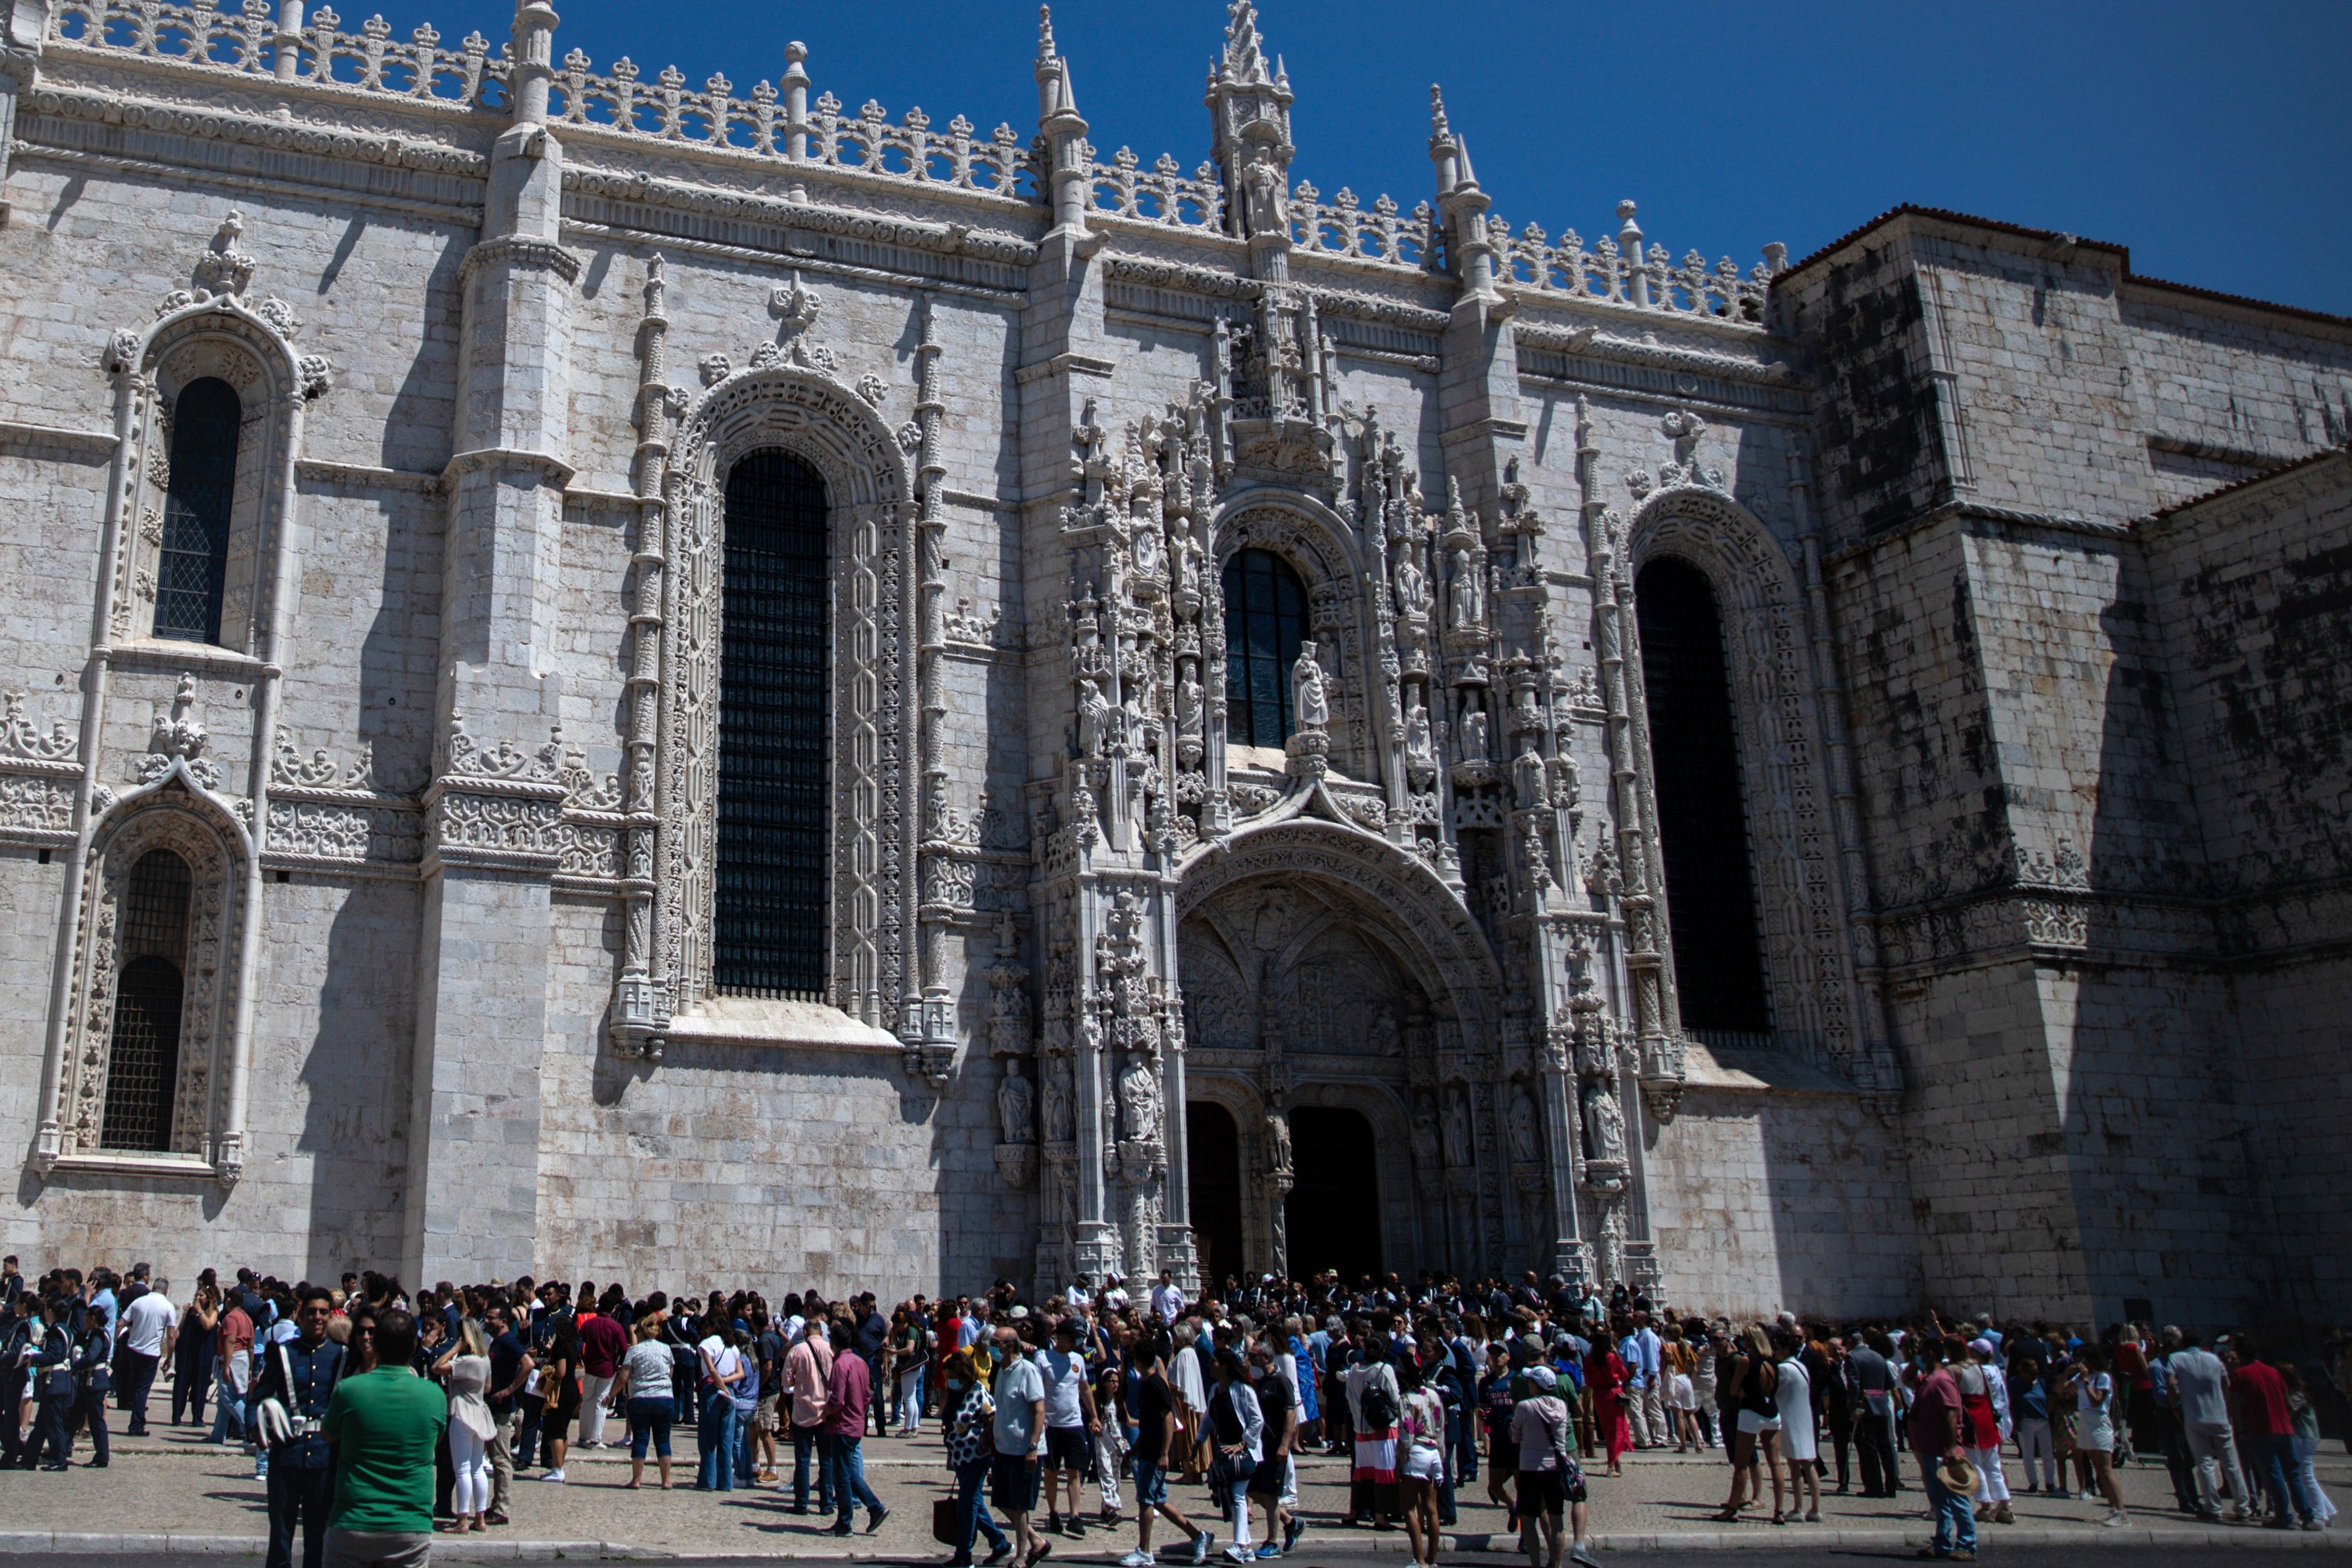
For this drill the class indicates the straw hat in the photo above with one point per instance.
(1957, 1476)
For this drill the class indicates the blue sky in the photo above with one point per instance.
(2212, 140)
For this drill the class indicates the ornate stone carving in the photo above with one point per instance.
(19, 737)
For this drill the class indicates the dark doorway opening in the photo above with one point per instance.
(1332, 1217)
(1213, 1145)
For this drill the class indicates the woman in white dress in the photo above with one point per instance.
(1797, 1443)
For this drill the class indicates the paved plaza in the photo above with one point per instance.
(172, 1491)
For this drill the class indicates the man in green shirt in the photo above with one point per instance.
(383, 1428)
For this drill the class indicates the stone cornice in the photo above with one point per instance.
(388, 150)
(515, 250)
(847, 222)
(1977, 512)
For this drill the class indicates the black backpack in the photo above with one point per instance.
(1378, 1405)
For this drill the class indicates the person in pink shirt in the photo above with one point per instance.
(603, 1343)
(849, 1391)
(808, 1373)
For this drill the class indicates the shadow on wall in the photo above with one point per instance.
(355, 1080)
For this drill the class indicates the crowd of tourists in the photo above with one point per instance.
(376, 1417)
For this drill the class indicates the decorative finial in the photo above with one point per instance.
(1044, 32)
(1438, 129)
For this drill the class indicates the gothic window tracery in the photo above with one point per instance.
(773, 755)
(1702, 814)
(1265, 621)
(193, 562)
(142, 1066)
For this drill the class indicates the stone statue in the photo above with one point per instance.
(1188, 567)
(1468, 607)
(1139, 1098)
(1057, 1103)
(1418, 747)
(1457, 1129)
(1473, 735)
(1277, 1142)
(1604, 1125)
(1265, 210)
(1308, 704)
(1016, 1104)
(1148, 556)
(1412, 589)
(1528, 775)
(1189, 705)
(1425, 1133)
(1094, 718)
(1525, 1147)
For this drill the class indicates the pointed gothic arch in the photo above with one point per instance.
(1787, 794)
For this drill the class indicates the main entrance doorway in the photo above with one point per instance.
(1332, 1217)
(1213, 1146)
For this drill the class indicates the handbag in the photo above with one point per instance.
(943, 1520)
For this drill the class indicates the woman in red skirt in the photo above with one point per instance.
(1604, 1380)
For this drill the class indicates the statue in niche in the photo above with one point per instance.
(1425, 1132)
(1308, 704)
(1277, 1142)
(1528, 775)
(1139, 1099)
(1604, 1125)
(1469, 606)
(1525, 1147)
(1148, 556)
(1094, 718)
(1016, 1102)
(1189, 703)
(1458, 1128)
(1265, 209)
(1473, 735)
(1057, 1103)
(1412, 589)
(1386, 1038)
(1188, 567)
(1418, 747)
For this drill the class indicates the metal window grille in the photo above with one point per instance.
(1702, 811)
(142, 1063)
(193, 570)
(775, 677)
(1265, 620)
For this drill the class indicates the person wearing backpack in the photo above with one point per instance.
(1374, 1402)
(1548, 1477)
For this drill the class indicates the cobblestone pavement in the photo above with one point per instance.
(171, 1488)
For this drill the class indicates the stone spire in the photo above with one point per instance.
(1064, 130)
(1249, 110)
(1461, 205)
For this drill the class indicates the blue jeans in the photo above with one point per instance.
(716, 1437)
(2273, 1462)
(1956, 1522)
(650, 1424)
(805, 1444)
(971, 1511)
(844, 1461)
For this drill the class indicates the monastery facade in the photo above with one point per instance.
(693, 683)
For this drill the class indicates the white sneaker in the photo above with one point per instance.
(1139, 1558)
(1201, 1544)
(555, 1476)
(1240, 1553)
(2113, 1521)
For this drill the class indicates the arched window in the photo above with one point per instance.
(142, 1062)
(1265, 620)
(773, 765)
(193, 569)
(1702, 814)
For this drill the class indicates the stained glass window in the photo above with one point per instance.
(1702, 813)
(193, 567)
(773, 746)
(1265, 620)
(142, 1062)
